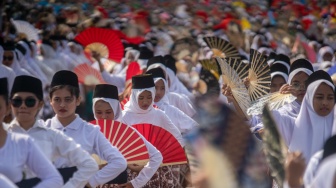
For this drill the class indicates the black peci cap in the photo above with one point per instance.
(278, 67)
(170, 63)
(64, 77)
(282, 58)
(28, 84)
(19, 47)
(301, 63)
(145, 53)
(156, 59)
(142, 81)
(9, 46)
(318, 75)
(156, 73)
(106, 91)
(3, 86)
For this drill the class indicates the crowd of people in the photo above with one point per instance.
(202, 94)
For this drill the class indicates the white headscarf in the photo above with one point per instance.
(164, 100)
(115, 105)
(311, 130)
(325, 175)
(133, 106)
(294, 72)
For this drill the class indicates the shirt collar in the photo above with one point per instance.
(37, 125)
(56, 124)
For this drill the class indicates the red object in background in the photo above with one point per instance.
(126, 139)
(88, 75)
(101, 40)
(171, 150)
(133, 69)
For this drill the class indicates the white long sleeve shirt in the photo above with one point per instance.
(54, 145)
(155, 160)
(94, 142)
(20, 150)
(181, 103)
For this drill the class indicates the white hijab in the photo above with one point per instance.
(133, 106)
(115, 105)
(311, 130)
(164, 101)
(294, 72)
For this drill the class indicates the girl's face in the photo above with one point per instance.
(63, 103)
(324, 100)
(299, 84)
(103, 110)
(276, 83)
(8, 58)
(25, 106)
(159, 90)
(145, 100)
(4, 108)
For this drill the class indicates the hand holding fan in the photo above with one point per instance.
(88, 75)
(165, 142)
(221, 48)
(239, 91)
(104, 41)
(126, 139)
(26, 29)
(259, 75)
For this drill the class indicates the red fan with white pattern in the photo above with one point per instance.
(88, 75)
(165, 142)
(104, 41)
(126, 139)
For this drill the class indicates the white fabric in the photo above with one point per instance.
(55, 144)
(50, 59)
(323, 51)
(115, 105)
(311, 130)
(6, 72)
(133, 114)
(283, 63)
(16, 66)
(294, 72)
(5, 182)
(94, 142)
(325, 176)
(181, 103)
(176, 85)
(116, 80)
(20, 150)
(183, 122)
(291, 109)
(24, 64)
(312, 167)
(278, 73)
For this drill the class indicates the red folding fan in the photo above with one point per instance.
(104, 41)
(122, 103)
(126, 139)
(88, 75)
(165, 142)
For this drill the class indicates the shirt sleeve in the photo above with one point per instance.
(169, 126)
(155, 160)
(113, 79)
(42, 167)
(116, 163)
(69, 149)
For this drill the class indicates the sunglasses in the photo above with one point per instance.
(29, 102)
(9, 58)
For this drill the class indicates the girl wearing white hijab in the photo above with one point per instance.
(6, 71)
(139, 109)
(45, 68)
(50, 58)
(313, 126)
(183, 122)
(107, 106)
(20, 52)
(178, 99)
(9, 59)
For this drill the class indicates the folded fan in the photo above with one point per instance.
(274, 100)
(211, 66)
(104, 41)
(221, 48)
(165, 142)
(239, 91)
(259, 75)
(88, 75)
(126, 139)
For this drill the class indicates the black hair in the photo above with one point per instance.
(74, 91)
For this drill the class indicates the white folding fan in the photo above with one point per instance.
(259, 75)
(26, 29)
(221, 48)
(275, 101)
(232, 79)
